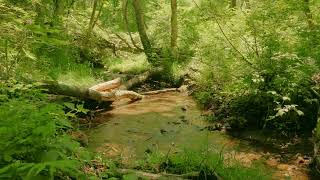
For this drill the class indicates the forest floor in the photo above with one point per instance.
(171, 123)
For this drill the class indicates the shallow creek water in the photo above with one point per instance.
(173, 121)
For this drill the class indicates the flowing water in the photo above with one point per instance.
(173, 121)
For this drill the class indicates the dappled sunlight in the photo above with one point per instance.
(160, 89)
(72, 78)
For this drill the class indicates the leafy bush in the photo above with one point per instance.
(34, 140)
(273, 90)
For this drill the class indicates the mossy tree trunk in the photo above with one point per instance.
(142, 31)
(103, 92)
(92, 18)
(126, 23)
(316, 135)
(174, 25)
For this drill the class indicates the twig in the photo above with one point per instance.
(123, 40)
(251, 47)
(148, 138)
(231, 44)
(75, 19)
(98, 15)
(220, 156)
(167, 156)
(228, 40)
(315, 93)
(161, 91)
(255, 49)
(196, 3)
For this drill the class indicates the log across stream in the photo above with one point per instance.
(171, 120)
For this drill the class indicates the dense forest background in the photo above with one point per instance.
(250, 63)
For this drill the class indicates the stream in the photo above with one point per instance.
(173, 121)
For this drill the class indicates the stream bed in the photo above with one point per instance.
(172, 122)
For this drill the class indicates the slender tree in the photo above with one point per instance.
(174, 24)
(92, 18)
(142, 30)
(98, 15)
(126, 23)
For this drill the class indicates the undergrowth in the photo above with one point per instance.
(260, 77)
(36, 137)
(207, 165)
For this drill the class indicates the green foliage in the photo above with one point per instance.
(34, 142)
(38, 50)
(202, 162)
(253, 67)
(273, 92)
(136, 64)
(75, 109)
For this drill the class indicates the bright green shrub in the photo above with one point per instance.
(34, 142)
(207, 164)
(275, 90)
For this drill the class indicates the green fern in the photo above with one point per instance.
(34, 141)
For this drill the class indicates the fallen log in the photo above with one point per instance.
(161, 91)
(107, 86)
(120, 94)
(106, 91)
(136, 80)
(153, 176)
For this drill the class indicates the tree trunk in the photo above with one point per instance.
(316, 145)
(98, 15)
(142, 31)
(92, 18)
(107, 91)
(126, 23)
(233, 3)
(174, 24)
